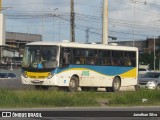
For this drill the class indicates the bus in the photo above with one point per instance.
(72, 66)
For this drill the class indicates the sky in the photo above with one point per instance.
(128, 19)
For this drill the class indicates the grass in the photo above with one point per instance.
(53, 98)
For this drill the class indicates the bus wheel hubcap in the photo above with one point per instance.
(72, 83)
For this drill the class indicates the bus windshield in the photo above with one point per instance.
(40, 57)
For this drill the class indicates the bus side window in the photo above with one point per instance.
(76, 60)
(127, 60)
(82, 60)
(65, 56)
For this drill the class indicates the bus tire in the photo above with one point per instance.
(73, 84)
(116, 84)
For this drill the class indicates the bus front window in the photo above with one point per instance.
(40, 57)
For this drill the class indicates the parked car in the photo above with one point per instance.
(7, 75)
(142, 71)
(150, 80)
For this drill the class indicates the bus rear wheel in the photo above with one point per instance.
(115, 85)
(73, 84)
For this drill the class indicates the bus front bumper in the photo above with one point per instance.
(30, 81)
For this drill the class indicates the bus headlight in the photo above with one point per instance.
(24, 74)
(50, 75)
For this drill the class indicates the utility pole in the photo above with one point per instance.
(1, 42)
(87, 35)
(134, 13)
(154, 47)
(105, 22)
(72, 19)
(2, 25)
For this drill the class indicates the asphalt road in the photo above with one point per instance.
(96, 113)
(12, 83)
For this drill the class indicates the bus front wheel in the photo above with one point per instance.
(73, 84)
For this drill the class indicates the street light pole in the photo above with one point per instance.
(43, 21)
(154, 55)
(59, 28)
(134, 22)
(53, 13)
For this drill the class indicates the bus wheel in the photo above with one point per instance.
(116, 84)
(73, 84)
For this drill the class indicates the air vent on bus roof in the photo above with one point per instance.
(93, 43)
(65, 41)
(113, 44)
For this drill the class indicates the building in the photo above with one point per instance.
(143, 45)
(14, 45)
(15, 42)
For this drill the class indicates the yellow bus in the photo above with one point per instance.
(70, 66)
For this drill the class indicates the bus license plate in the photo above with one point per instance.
(37, 81)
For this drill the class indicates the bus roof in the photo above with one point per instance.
(89, 46)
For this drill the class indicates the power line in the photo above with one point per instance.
(82, 27)
(147, 11)
(91, 19)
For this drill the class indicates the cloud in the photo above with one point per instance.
(138, 17)
(124, 16)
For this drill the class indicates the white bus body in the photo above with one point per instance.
(74, 65)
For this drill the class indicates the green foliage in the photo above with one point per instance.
(148, 58)
(136, 98)
(52, 98)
